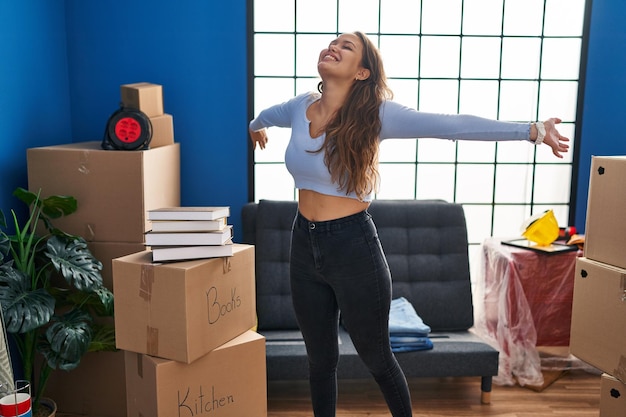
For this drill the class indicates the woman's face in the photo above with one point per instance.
(342, 58)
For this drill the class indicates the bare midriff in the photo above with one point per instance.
(318, 207)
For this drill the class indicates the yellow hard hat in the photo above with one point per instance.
(542, 228)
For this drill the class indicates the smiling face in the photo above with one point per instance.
(343, 58)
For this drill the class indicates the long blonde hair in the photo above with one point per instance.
(352, 135)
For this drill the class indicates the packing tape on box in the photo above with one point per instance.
(139, 365)
(620, 371)
(152, 341)
(226, 264)
(146, 281)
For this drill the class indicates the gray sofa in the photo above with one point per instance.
(426, 246)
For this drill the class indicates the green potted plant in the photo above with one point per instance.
(51, 292)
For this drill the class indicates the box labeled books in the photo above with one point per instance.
(183, 310)
(229, 381)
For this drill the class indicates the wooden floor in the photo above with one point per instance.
(575, 394)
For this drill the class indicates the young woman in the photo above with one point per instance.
(337, 263)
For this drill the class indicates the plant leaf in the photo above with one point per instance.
(103, 338)
(53, 359)
(105, 295)
(24, 309)
(57, 206)
(25, 196)
(73, 259)
(5, 246)
(70, 334)
(54, 206)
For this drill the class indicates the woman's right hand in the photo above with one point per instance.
(554, 139)
(260, 137)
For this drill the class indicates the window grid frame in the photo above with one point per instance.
(377, 36)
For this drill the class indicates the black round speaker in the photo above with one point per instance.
(127, 129)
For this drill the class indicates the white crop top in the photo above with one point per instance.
(398, 121)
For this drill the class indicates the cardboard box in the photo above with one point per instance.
(612, 397)
(598, 334)
(114, 189)
(97, 388)
(146, 97)
(605, 229)
(229, 381)
(162, 130)
(183, 310)
(105, 252)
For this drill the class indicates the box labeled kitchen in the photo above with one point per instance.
(229, 381)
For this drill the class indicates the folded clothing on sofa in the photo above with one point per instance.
(407, 330)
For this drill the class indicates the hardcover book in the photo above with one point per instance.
(189, 238)
(189, 225)
(188, 213)
(181, 253)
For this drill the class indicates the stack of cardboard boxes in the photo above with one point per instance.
(185, 327)
(198, 312)
(598, 332)
(113, 189)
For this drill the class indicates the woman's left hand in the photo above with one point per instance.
(554, 139)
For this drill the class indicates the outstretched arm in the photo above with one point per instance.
(399, 121)
(279, 115)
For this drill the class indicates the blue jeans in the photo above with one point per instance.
(339, 265)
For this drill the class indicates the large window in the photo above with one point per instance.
(515, 60)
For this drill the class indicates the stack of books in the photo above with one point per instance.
(182, 233)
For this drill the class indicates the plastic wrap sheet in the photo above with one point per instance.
(524, 300)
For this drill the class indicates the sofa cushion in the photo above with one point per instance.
(425, 242)
(272, 239)
(426, 247)
(453, 354)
